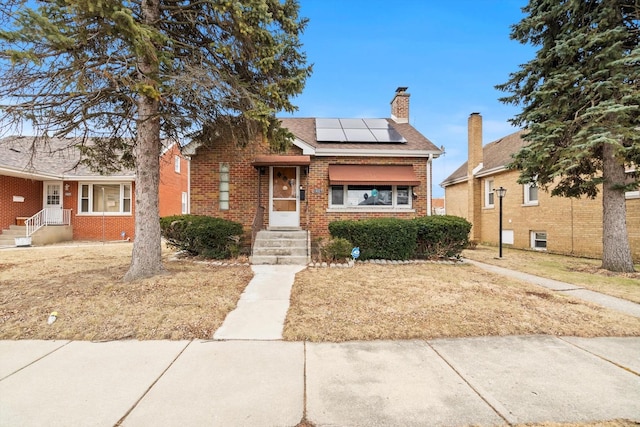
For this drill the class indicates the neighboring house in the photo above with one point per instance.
(335, 169)
(437, 206)
(50, 187)
(531, 217)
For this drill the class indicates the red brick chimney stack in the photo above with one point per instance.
(400, 105)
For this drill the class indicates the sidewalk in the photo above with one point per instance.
(258, 380)
(451, 382)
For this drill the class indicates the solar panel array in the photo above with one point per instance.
(357, 130)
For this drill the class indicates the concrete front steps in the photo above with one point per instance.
(8, 236)
(284, 247)
(44, 236)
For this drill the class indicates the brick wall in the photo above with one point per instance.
(97, 227)
(30, 190)
(247, 186)
(573, 226)
(172, 183)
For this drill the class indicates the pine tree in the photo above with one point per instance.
(138, 71)
(580, 99)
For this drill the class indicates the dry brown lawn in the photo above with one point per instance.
(83, 285)
(423, 301)
(578, 271)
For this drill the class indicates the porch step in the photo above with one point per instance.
(281, 247)
(8, 235)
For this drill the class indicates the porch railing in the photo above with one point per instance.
(47, 217)
(258, 221)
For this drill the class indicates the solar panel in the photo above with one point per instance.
(330, 135)
(387, 135)
(353, 124)
(357, 130)
(376, 123)
(360, 135)
(328, 124)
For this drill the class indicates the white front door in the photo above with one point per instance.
(52, 202)
(284, 205)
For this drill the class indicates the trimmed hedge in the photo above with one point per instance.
(441, 236)
(380, 238)
(438, 236)
(202, 235)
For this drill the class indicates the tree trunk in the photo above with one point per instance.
(146, 259)
(616, 253)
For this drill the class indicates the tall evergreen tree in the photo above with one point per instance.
(580, 99)
(137, 71)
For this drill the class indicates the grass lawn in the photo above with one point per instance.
(423, 301)
(578, 271)
(83, 285)
(415, 301)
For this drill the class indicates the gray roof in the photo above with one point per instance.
(305, 130)
(55, 158)
(496, 155)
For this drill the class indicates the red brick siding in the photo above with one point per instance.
(95, 227)
(246, 183)
(9, 210)
(172, 183)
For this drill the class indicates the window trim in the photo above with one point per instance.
(368, 208)
(489, 193)
(527, 194)
(185, 203)
(176, 164)
(533, 240)
(89, 198)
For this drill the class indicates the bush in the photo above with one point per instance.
(336, 249)
(441, 236)
(206, 236)
(380, 238)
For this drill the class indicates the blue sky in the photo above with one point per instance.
(450, 55)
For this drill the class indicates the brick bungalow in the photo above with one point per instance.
(82, 204)
(335, 169)
(531, 217)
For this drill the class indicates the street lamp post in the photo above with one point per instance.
(501, 192)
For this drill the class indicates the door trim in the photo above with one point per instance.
(291, 219)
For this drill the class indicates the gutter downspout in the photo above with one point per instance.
(429, 184)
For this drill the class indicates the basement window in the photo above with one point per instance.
(539, 240)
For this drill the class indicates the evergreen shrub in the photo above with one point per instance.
(202, 235)
(441, 236)
(379, 238)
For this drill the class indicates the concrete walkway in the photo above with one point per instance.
(443, 382)
(263, 305)
(619, 304)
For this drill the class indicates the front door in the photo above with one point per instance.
(284, 206)
(53, 202)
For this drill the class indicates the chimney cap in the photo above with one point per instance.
(402, 89)
(475, 114)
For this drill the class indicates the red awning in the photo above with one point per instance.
(372, 175)
(281, 161)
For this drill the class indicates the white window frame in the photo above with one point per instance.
(185, 202)
(225, 178)
(489, 193)
(528, 201)
(394, 197)
(534, 239)
(92, 212)
(176, 163)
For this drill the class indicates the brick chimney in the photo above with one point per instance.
(400, 105)
(474, 186)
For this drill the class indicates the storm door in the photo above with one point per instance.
(284, 206)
